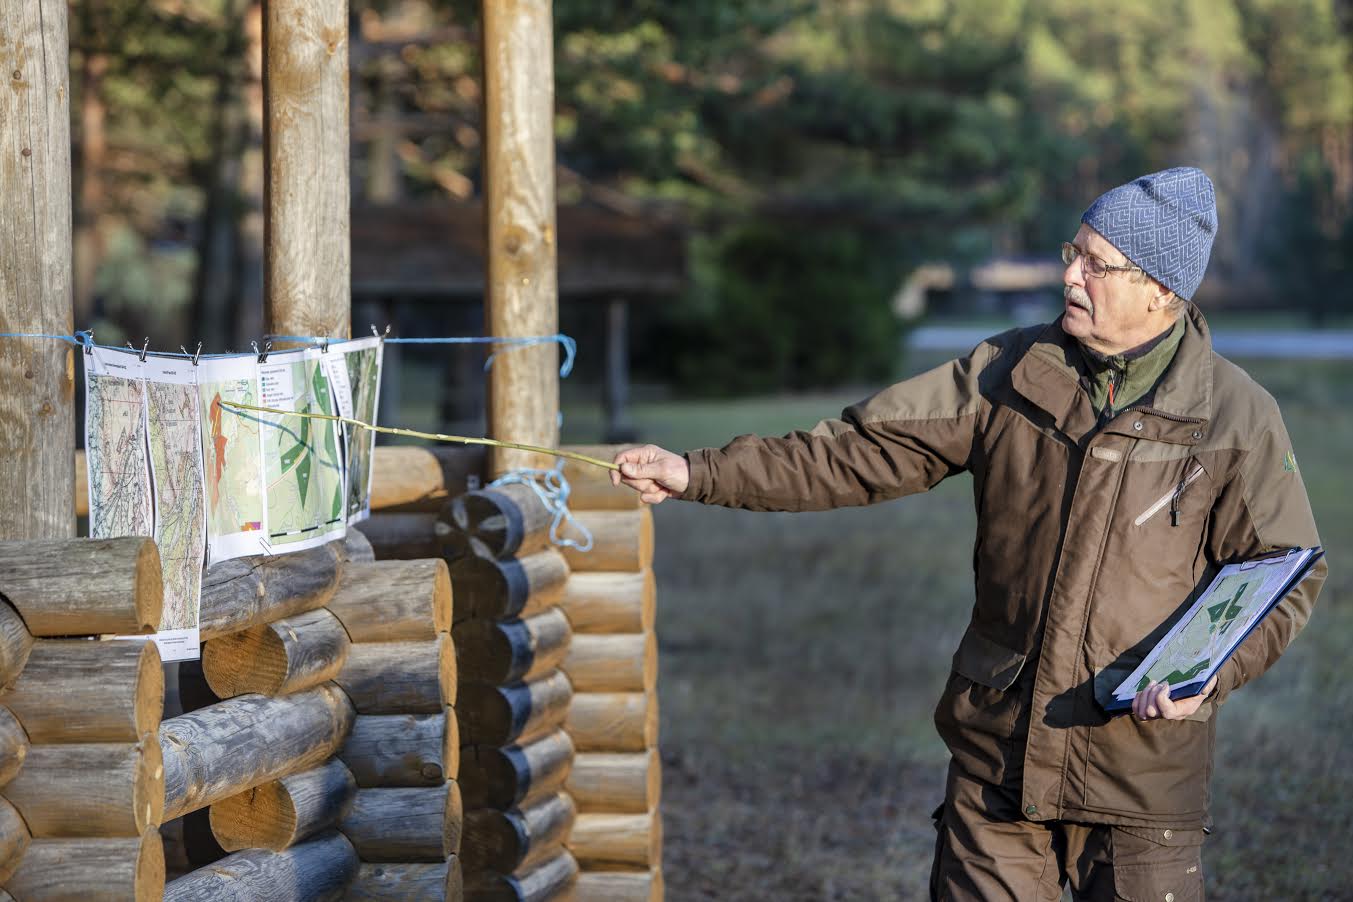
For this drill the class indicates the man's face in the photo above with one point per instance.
(1115, 313)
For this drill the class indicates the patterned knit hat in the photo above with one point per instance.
(1163, 222)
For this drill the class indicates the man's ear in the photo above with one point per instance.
(1161, 297)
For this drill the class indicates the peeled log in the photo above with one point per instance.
(614, 663)
(13, 746)
(79, 690)
(91, 870)
(554, 879)
(518, 775)
(422, 824)
(14, 839)
(318, 870)
(499, 715)
(222, 750)
(407, 536)
(246, 592)
(279, 814)
(512, 587)
(616, 782)
(610, 602)
(90, 789)
(505, 651)
(405, 477)
(398, 750)
(403, 882)
(620, 886)
(621, 541)
(400, 677)
(505, 841)
(614, 721)
(508, 520)
(617, 841)
(590, 487)
(81, 587)
(278, 658)
(15, 644)
(394, 601)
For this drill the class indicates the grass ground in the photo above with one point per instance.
(802, 656)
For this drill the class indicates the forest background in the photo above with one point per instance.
(815, 152)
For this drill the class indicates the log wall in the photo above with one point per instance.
(616, 778)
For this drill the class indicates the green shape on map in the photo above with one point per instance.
(303, 477)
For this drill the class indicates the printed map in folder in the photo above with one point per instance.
(1212, 628)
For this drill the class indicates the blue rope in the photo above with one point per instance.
(68, 339)
(553, 490)
(85, 339)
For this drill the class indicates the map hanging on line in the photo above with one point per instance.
(302, 465)
(355, 375)
(145, 476)
(232, 453)
(168, 457)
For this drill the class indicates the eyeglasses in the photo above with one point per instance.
(1092, 265)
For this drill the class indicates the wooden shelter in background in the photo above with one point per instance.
(443, 706)
(426, 259)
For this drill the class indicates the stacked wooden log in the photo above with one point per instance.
(81, 776)
(328, 765)
(612, 663)
(510, 638)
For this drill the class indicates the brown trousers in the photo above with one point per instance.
(987, 851)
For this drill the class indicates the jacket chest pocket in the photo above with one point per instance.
(1171, 501)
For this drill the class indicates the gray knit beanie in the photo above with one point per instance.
(1163, 222)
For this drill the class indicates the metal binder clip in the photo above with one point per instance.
(324, 345)
(263, 354)
(87, 340)
(193, 357)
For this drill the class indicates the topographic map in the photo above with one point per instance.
(303, 472)
(232, 458)
(176, 464)
(364, 377)
(1207, 634)
(115, 443)
(1218, 621)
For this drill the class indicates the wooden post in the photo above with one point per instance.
(37, 376)
(522, 296)
(307, 259)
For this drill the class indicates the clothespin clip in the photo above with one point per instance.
(263, 354)
(144, 348)
(193, 357)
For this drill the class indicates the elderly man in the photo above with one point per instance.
(1117, 461)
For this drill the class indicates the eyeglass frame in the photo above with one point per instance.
(1070, 250)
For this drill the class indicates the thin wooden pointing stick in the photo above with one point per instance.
(436, 436)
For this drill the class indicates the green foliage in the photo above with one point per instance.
(784, 309)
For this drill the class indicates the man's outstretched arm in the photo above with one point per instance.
(903, 440)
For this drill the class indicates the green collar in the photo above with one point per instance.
(1118, 381)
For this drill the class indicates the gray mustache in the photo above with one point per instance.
(1079, 297)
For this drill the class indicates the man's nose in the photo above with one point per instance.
(1075, 272)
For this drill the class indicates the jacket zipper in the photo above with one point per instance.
(1171, 498)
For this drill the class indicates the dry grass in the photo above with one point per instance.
(802, 655)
